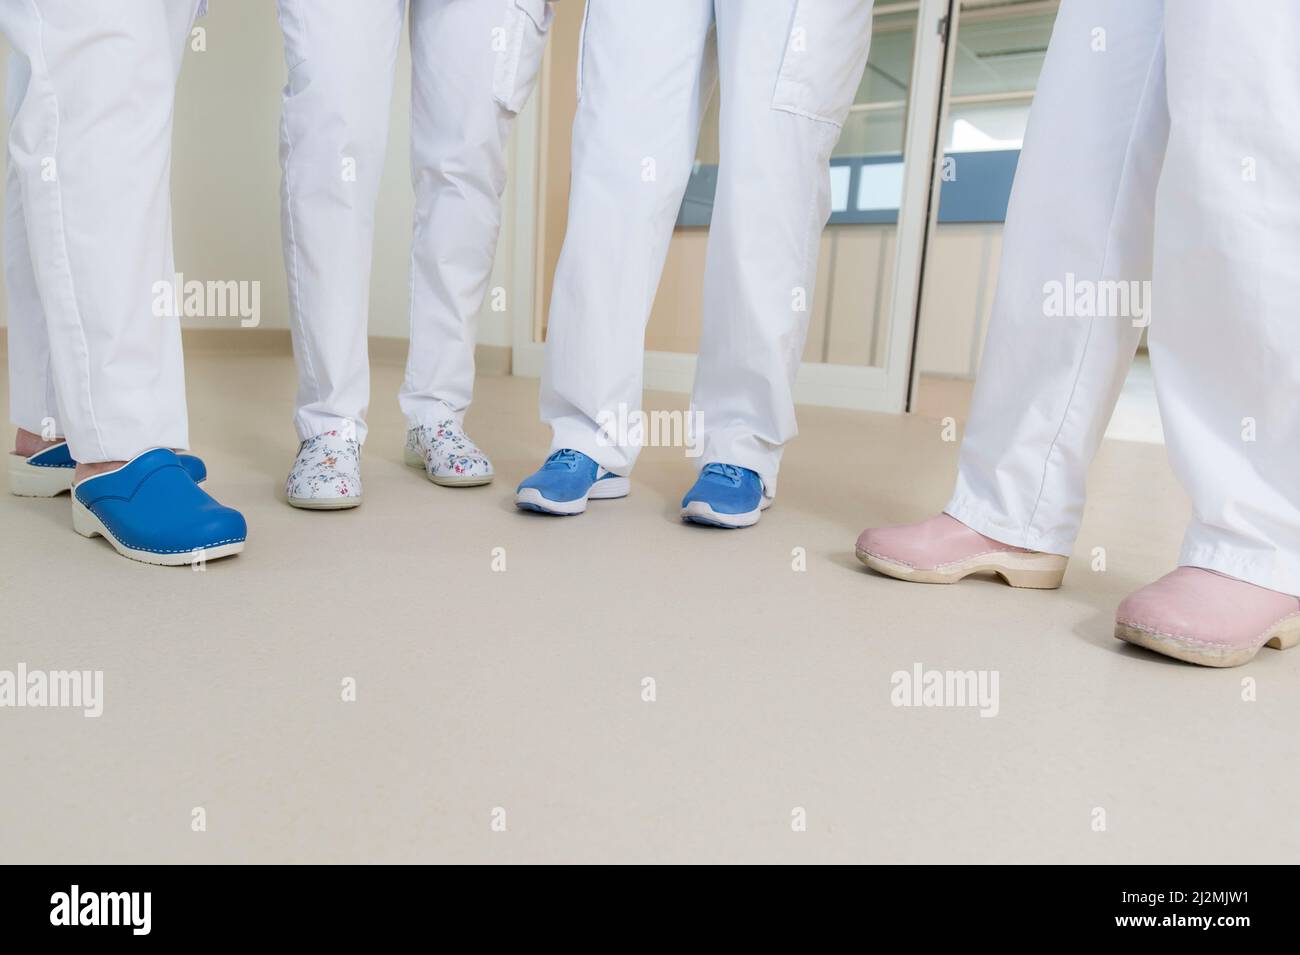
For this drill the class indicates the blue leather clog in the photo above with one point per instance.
(151, 510)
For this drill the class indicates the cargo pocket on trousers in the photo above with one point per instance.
(825, 54)
(519, 56)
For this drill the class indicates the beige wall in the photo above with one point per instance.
(226, 176)
(960, 277)
(559, 89)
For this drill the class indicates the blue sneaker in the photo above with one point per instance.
(151, 510)
(565, 483)
(49, 473)
(725, 496)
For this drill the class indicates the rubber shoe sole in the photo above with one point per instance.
(699, 512)
(1280, 636)
(1028, 571)
(26, 480)
(85, 523)
(413, 460)
(324, 503)
(606, 489)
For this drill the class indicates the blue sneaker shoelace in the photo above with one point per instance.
(564, 459)
(727, 472)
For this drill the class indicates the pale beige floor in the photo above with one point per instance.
(521, 689)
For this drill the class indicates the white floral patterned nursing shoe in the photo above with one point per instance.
(447, 455)
(326, 475)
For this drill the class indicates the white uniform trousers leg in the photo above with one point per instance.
(341, 56)
(33, 404)
(474, 66)
(1225, 340)
(89, 150)
(1081, 214)
(646, 73)
(788, 72)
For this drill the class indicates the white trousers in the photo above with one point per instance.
(474, 63)
(788, 72)
(87, 233)
(1161, 146)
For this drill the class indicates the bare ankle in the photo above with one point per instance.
(27, 443)
(99, 467)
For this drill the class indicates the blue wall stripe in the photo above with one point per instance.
(978, 192)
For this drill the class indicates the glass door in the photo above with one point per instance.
(997, 52)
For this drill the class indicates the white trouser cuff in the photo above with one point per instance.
(742, 450)
(573, 435)
(983, 520)
(309, 424)
(430, 414)
(1278, 572)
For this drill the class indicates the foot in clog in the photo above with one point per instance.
(447, 455)
(49, 472)
(151, 510)
(1205, 617)
(326, 475)
(943, 550)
